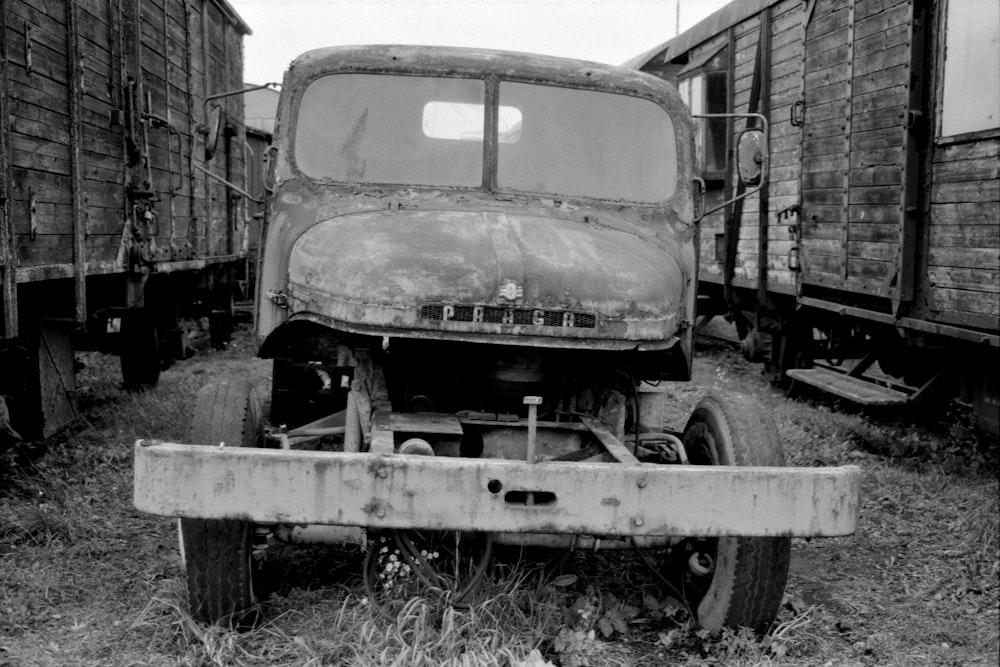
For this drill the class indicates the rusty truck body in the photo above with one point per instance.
(477, 267)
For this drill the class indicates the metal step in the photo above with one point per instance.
(853, 389)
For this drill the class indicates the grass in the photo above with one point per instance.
(87, 580)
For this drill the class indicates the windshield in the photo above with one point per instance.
(388, 129)
(370, 128)
(588, 144)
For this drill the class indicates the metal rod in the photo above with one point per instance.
(532, 402)
(233, 186)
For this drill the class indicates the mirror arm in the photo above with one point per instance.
(763, 165)
(229, 185)
(230, 93)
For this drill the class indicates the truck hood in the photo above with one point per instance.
(389, 267)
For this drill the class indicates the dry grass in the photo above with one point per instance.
(87, 580)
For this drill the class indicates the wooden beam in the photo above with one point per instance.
(74, 72)
(8, 282)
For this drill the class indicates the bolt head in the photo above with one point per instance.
(637, 521)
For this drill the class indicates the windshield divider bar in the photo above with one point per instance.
(490, 133)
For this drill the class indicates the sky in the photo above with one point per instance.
(607, 31)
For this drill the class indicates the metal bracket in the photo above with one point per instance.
(797, 113)
(32, 215)
(27, 47)
(788, 212)
(280, 299)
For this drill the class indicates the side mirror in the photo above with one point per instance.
(214, 123)
(750, 156)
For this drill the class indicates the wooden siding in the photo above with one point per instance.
(784, 81)
(889, 214)
(193, 218)
(854, 144)
(962, 241)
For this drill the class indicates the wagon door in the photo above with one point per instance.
(860, 169)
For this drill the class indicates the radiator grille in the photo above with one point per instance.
(500, 315)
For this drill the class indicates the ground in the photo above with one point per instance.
(88, 580)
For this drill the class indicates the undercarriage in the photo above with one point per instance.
(406, 441)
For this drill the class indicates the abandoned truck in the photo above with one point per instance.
(477, 267)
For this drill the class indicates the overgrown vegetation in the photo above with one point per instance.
(87, 580)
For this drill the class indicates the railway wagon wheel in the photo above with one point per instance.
(140, 350)
(733, 581)
(218, 553)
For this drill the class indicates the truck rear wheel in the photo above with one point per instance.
(218, 553)
(733, 581)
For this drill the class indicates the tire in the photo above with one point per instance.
(748, 576)
(218, 553)
(140, 351)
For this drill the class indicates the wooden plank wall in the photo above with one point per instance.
(847, 165)
(785, 158)
(882, 34)
(40, 206)
(825, 141)
(963, 240)
(195, 218)
(857, 78)
(784, 87)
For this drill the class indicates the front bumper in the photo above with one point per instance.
(275, 486)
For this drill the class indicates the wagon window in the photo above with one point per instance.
(368, 128)
(970, 95)
(707, 93)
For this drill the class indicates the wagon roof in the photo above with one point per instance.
(230, 13)
(457, 61)
(709, 27)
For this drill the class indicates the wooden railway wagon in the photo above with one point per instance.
(111, 214)
(876, 237)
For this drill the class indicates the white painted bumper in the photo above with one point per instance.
(397, 491)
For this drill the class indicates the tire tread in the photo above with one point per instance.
(217, 551)
(761, 563)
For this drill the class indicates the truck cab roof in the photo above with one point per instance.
(482, 63)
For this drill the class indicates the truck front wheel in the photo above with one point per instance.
(733, 581)
(218, 553)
